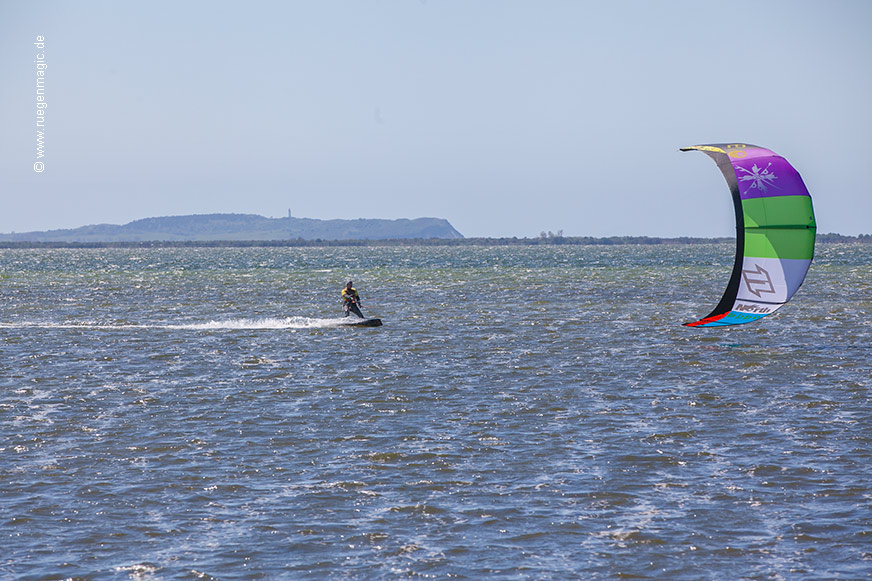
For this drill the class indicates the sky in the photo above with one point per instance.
(505, 117)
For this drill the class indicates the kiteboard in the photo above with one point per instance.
(363, 323)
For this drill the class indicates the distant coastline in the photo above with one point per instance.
(241, 230)
(513, 241)
(240, 227)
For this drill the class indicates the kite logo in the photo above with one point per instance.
(759, 178)
(758, 281)
(752, 309)
(737, 150)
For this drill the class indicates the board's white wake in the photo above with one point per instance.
(229, 324)
(264, 323)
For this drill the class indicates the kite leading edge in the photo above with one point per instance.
(775, 232)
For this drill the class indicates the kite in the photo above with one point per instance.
(775, 232)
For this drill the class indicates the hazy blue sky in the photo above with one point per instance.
(505, 117)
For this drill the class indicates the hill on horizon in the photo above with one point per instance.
(214, 227)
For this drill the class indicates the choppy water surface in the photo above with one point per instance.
(523, 413)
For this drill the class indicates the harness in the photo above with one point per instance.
(350, 296)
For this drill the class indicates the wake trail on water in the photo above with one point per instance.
(264, 323)
(229, 324)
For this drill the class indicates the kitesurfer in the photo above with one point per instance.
(351, 300)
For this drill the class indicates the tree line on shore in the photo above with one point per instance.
(542, 240)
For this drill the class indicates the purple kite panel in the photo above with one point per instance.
(766, 177)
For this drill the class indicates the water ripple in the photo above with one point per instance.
(524, 413)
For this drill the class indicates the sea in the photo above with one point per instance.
(528, 412)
